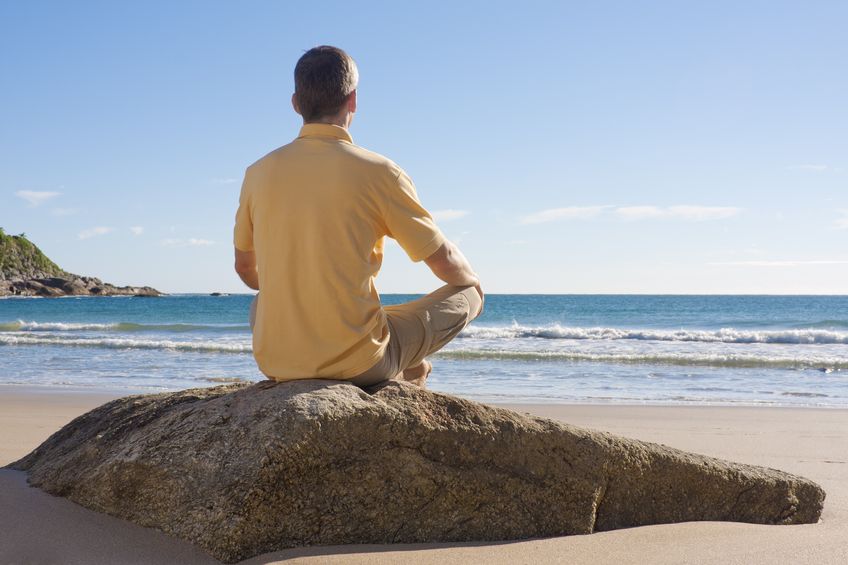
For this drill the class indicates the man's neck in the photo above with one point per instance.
(341, 121)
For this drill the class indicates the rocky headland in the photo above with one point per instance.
(26, 271)
(245, 469)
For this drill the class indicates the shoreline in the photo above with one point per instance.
(805, 441)
(533, 406)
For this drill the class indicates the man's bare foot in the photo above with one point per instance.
(418, 374)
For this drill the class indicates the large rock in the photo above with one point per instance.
(246, 469)
(71, 285)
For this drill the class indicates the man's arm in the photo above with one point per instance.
(450, 265)
(246, 268)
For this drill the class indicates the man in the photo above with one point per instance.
(309, 233)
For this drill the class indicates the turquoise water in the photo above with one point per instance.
(769, 350)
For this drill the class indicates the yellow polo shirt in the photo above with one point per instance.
(316, 212)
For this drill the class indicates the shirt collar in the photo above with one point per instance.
(325, 130)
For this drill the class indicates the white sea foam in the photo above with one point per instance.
(827, 363)
(822, 363)
(515, 331)
(23, 326)
(126, 343)
(724, 335)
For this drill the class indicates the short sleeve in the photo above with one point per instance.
(243, 231)
(408, 222)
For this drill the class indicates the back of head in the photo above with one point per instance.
(323, 79)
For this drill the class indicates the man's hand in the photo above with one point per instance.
(482, 298)
(449, 264)
(246, 268)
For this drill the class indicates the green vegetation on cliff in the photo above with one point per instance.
(22, 259)
(26, 271)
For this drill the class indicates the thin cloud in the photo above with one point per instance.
(689, 213)
(779, 263)
(36, 197)
(137, 230)
(457, 239)
(448, 215)
(842, 223)
(567, 213)
(639, 212)
(681, 212)
(815, 168)
(64, 211)
(701, 213)
(94, 232)
(812, 168)
(190, 242)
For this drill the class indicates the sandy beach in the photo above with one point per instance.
(39, 528)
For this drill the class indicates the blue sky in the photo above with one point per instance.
(604, 147)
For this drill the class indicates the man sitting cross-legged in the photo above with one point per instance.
(309, 234)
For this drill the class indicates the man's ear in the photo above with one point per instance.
(294, 103)
(351, 102)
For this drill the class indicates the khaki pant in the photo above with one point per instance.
(418, 329)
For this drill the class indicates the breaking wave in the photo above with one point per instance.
(127, 343)
(742, 360)
(22, 326)
(823, 363)
(805, 336)
(724, 335)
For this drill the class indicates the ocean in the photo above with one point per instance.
(627, 349)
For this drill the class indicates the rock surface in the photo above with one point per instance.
(71, 285)
(246, 469)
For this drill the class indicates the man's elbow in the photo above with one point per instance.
(245, 262)
(244, 269)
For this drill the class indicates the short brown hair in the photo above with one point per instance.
(323, 79)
